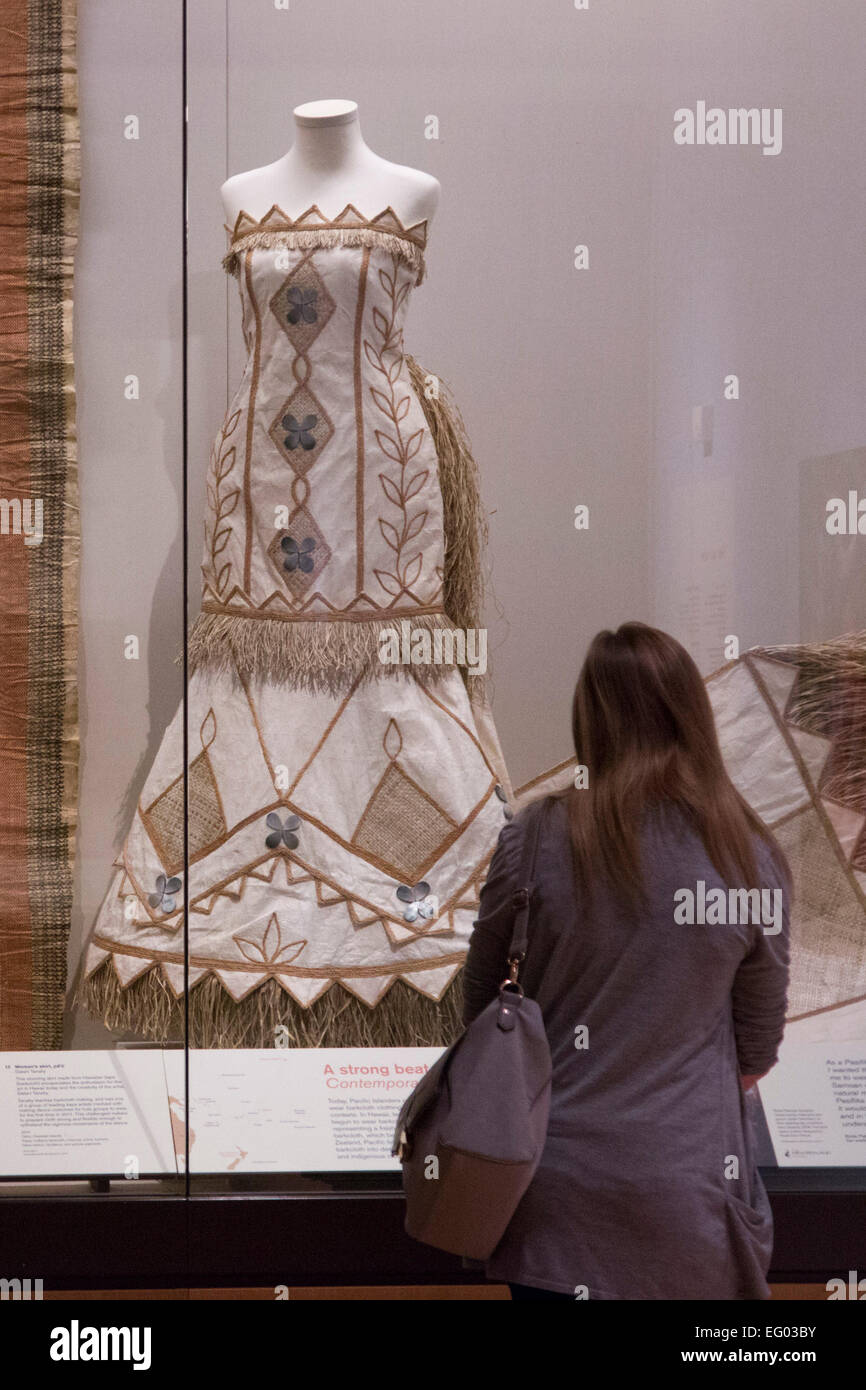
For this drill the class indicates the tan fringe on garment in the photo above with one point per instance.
(829, 699)
(395, 245)
(148, 1008)
(323, 657)
(464, 518)
(838, 656)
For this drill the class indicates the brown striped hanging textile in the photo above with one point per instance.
(39, 531)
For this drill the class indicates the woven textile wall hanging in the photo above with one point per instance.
(39, 532)
(792, 725)
(791, 722)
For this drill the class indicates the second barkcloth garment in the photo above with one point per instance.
(341, 812)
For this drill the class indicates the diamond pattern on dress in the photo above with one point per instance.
(302, 305)
(402, 826)
(298, 562)
(301, 430)
(164, 818)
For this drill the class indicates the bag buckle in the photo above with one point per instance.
(511, 982)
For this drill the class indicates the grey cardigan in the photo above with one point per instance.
(647, 1186)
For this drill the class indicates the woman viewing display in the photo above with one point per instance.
(658, 953)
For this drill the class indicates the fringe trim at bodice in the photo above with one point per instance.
(312, 229)
(326, 656)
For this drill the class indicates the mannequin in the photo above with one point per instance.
(339, 812)
(331, 165)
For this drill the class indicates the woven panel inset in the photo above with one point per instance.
(163, 819)
(300, 565)
(402, 826)
(301, 429)
(302, 305)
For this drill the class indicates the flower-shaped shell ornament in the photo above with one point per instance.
(282, 832)
(164, 897)
(300, 432)
(298, 557)
(420, 902)
(303, 305)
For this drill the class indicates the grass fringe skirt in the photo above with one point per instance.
(148, 1008)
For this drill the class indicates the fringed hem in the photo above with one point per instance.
(828, 698)
(839, 656)
(326, 657)
(148, 1008)
(396, 245)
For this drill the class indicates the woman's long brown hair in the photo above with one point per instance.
(643, 727)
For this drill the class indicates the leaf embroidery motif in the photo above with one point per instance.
(222, 503)
(415, 484)
(413, 569)
(270, 950)
(390, 583)
(415, 525)
(392, 492)
(386, 356)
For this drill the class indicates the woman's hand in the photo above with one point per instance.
(747, 1082)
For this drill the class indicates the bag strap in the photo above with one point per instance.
(522, 895)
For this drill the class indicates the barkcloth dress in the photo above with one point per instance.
(341, 811)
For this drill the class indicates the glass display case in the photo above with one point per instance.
(356, 480)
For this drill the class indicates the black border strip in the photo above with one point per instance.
(128, 1242)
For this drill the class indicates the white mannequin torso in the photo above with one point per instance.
(330, 165)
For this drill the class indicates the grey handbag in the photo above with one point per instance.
(471, 1134)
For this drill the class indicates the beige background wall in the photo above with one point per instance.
(556, 128)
